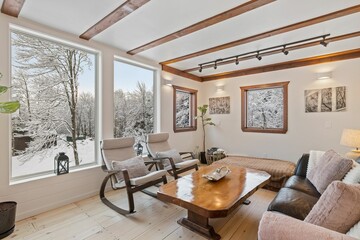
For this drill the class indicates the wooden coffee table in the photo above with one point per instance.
(205, 199)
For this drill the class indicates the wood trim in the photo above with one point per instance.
(245, 89)
(180, 73)
(12, 7)
(243, 8)
(119, 13)
(277, 51)
(193, 114)
(333, 57)
(288, 28)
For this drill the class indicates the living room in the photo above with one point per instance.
(305, 131)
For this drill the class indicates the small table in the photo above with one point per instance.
(205, 199)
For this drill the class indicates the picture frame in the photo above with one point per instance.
(264, 108)
(219, 105)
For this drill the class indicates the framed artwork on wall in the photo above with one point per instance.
(219, 105)
(264, 108)
(325, 100)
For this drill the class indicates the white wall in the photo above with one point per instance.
(306, 131)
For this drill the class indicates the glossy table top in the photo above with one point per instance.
(213, 199)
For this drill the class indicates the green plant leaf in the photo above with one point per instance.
(9, 107)
(3, 89)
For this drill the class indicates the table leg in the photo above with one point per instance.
(200, 225)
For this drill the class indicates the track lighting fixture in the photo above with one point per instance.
(284, 48)
(285, 52)
(258, 56)
(322, 42)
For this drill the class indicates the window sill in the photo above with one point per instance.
(49, 175)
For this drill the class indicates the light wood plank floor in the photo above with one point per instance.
(90, 219)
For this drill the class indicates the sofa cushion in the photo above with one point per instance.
(293, 203)
(303, 185)
(314, 157)
(331, 167)
(337, 208)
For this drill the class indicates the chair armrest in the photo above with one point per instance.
(276, 226)
(301, 166)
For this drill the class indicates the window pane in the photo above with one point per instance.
(133, 101)
(183, 100)
(55, 85)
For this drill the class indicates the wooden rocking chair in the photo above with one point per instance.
(159, 149)
(126, 170)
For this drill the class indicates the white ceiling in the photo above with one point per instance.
(158, 18)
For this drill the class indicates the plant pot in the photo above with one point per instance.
(7, 218)
(203, 158)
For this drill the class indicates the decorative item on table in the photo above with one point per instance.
(61, 163)
(217, 174)
(138, 148)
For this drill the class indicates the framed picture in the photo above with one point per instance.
(219, 105)
(325, 100)
(264, 108)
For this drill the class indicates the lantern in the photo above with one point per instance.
(61, 163)
(139, 149)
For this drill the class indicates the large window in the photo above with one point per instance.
(184, 111)
(55, 84)
(133, 101)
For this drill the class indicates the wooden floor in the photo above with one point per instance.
(90, 219)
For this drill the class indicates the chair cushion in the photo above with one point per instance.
(147, 178)
(337, 208)
(157, 137)
(353, 176)
(293, 203)
(331, 167)
(135, 166)
(186, 163)
(302, 184)
(172, 153)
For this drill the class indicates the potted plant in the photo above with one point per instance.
(204, 122)
(7, 209)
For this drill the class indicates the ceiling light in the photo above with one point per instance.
(215, 65)
(323, 75)
(237, 61)
(286, 52)
(200, 69)
(258, 56)
(322, 42)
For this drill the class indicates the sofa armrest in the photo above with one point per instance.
(276, 226)
(301, 166)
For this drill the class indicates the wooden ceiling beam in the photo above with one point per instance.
(12, 7)
(333, 57)
(277, 51)
(288, 28)
(119, 13)
(243, 8)
(181, 73)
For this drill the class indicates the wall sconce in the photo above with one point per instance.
(220, 88)
(167, 82)
(323, 75)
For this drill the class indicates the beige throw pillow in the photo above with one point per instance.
(172, 153)
(331, 167)
(337, 208)
(135, 166)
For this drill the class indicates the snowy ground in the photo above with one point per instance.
(44, 160)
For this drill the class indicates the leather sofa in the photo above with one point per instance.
(298, 195)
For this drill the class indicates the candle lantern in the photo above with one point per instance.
(61, 163)
(139, 149)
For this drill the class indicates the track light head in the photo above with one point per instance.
(323, 42)
(258, 56)
(237, 61)
(200, 69)
(215, 65)
(285, 52)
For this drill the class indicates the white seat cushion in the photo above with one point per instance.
(186, 163)
(147, 178)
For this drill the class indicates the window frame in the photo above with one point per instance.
(97, 96)
(193, 110)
